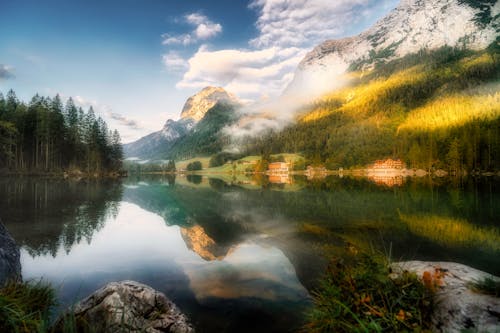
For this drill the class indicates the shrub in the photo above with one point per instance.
(357, 295)
(194, 166)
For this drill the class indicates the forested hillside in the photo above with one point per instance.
(433, 109)
(46, 136)
(206, 138)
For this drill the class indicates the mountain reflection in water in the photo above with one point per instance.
(238, 254)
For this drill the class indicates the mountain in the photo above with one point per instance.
(433, 109)
(149, 145)
(198, 105)
(156, 145)
(413, 26)
(421, 85)
(207, 137)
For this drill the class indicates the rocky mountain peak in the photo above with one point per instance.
(197, 105)
(412, 26)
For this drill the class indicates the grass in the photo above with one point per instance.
(357, 294)
(25, 307)
(183, 164)
(241, 165)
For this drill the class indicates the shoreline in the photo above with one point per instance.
(350, 172)
(65, 174)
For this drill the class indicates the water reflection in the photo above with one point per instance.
(236, 251)
(356, 210)
(136, 244)
(249, 271)
(199, 242)
(454, 232)
(44, 214)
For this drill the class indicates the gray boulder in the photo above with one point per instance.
(128, 306)
(10, 258)
(458, 308)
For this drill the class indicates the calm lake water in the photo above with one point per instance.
(240, 255)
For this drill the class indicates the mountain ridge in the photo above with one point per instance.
(412, 26)
(194, 110)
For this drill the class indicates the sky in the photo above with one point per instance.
(137, 61)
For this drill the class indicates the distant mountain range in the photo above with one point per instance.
(158, 145)
(425, 60)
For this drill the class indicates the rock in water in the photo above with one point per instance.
(457, 307)
(128, 306)
(10, 258)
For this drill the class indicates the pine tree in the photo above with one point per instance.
(46, 136)
(453, 157)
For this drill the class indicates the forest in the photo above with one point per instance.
(47, 136)
(433, 109)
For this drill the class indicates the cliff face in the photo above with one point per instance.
(412, 26)
(198, 105)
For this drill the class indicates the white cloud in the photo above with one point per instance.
(204, 29)
(243, 72)
(129, 128)
(174, 62)
(195, 18)
(208, 30)
(305, 23)
(184, 39)
(287, 31)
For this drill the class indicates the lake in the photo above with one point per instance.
(240, 254)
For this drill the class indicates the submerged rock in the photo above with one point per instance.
(128, 306)
(10, 258)
(457, 307)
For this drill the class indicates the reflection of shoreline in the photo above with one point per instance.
(453, 232)
(280, 179)
(387, 180)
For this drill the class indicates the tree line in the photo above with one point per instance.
(47, 135)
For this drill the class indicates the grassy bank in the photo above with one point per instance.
(25, 307)
(358, 294)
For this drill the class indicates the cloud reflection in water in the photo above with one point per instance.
(137, 240)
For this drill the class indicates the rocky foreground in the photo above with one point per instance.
(128, 305)
(10, 259)
(458, 308)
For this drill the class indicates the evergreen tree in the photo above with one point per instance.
(45, 136)
(453, 157)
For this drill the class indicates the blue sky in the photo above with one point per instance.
(136, 61)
